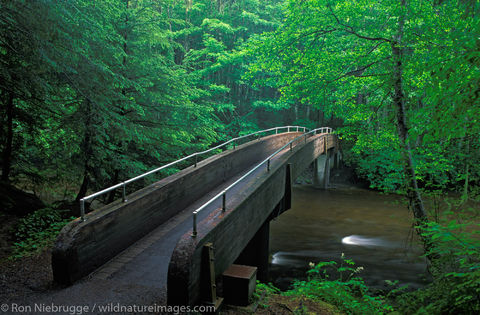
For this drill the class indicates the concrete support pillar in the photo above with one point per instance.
(326, 172)
(317, 176)
(321, 170)
(257, 251)
(337, 160)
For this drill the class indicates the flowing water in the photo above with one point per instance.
(373, 229)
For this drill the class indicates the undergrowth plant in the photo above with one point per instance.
(263, 292)
(37, 231)
(348, 292)
(456, 272)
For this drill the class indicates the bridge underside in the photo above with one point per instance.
(248, 212)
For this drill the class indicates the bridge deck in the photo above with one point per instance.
(138, 275)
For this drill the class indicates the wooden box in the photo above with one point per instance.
(239, 283)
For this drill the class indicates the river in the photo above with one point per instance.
(373, 229)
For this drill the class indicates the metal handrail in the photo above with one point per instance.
(196, 154)
(223, 193)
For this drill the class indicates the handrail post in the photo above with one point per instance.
(276, 130)
(82, 209)
(291, 146)
(288, 129)
(297, 128)
(194, 230)
(196, 160)
(124, 192)
(224, 201)
(234, 144)
(268, 165)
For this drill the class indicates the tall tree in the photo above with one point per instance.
(378, 62)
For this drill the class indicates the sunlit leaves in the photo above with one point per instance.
(337, 55)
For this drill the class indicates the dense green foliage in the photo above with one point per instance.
(96, 92)
(456, 285)
(337, 57)
(339, 285)
(38, 230)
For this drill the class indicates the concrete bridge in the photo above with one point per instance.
(161, 236)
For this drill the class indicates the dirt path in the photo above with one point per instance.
(25, 276)
(7, 223)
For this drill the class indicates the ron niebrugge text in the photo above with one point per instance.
(105, 308)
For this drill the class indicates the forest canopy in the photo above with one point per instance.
(95, 92)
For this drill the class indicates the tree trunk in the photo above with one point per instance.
(111, 196)
(467, 170)
(7, 151)
(83, 188)
(87, 151)
(413, 193)
(125, 38)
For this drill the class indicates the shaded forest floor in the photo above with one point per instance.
(6, 234)
(283, 305)
(24, 276)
